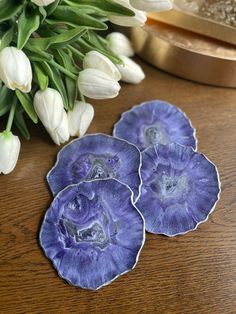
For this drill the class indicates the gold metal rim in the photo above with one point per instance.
(197, 24)
(173, 50)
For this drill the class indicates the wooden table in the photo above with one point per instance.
(195, 273)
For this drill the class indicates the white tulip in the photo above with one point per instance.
(96, 84)
(138, 19)
(96, 60)
(61, 134)
(9, 151)
(119, 44)
(49, 107)
(15, 69)
(80, 118)
(130, 71)
(42, 3)
(152, 5)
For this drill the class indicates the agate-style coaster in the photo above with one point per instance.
(155, 122)
(179, 191)
(96, 156)
(93, 233)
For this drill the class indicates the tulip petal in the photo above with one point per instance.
(49, 107)
(152, 5)
(119, 44)
(130, 71)
(96, 60)
(138, 19)
(10, 149)
(80, 118)
(15, 69)
(96, 84)
(42, 3)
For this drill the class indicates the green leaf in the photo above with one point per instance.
(79, 56)
(56, 81)
(27, 24)
(40, 77)
(72, 91)
(7, 38)
(108, 6)
(71, 86)
(20, 123)
(57, 40)
(74, 17)
(9, 8)
(84, 8)
(66, 60)
(87, 46)
(27, 104)
(52, 7)
(43, 13)
(6, 99)
(97, 41)
(36, 54)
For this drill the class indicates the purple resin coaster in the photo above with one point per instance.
(179, 191)
(155, 122)
(93, 233)
(96, 156)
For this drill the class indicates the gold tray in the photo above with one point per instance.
(197, 24)
(186, 54)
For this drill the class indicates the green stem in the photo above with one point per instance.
(63, 70)
(85, 45)
(11, 114)
(88, 47)
(76, 53)
(82, 97)
(102, 39)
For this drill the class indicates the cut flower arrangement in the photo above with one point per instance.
(52, 56)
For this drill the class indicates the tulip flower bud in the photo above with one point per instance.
(130, 71)
(42, 3)
(9, 151)
(119, 44)
(49, 107)
(15, 69)
(61, 134)
(80, 118)
(96, 84)
(138, 19)
(152, 5)
(96, 60)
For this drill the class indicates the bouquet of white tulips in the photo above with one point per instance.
(53, 54)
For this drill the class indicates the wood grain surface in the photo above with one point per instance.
(194, 273)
